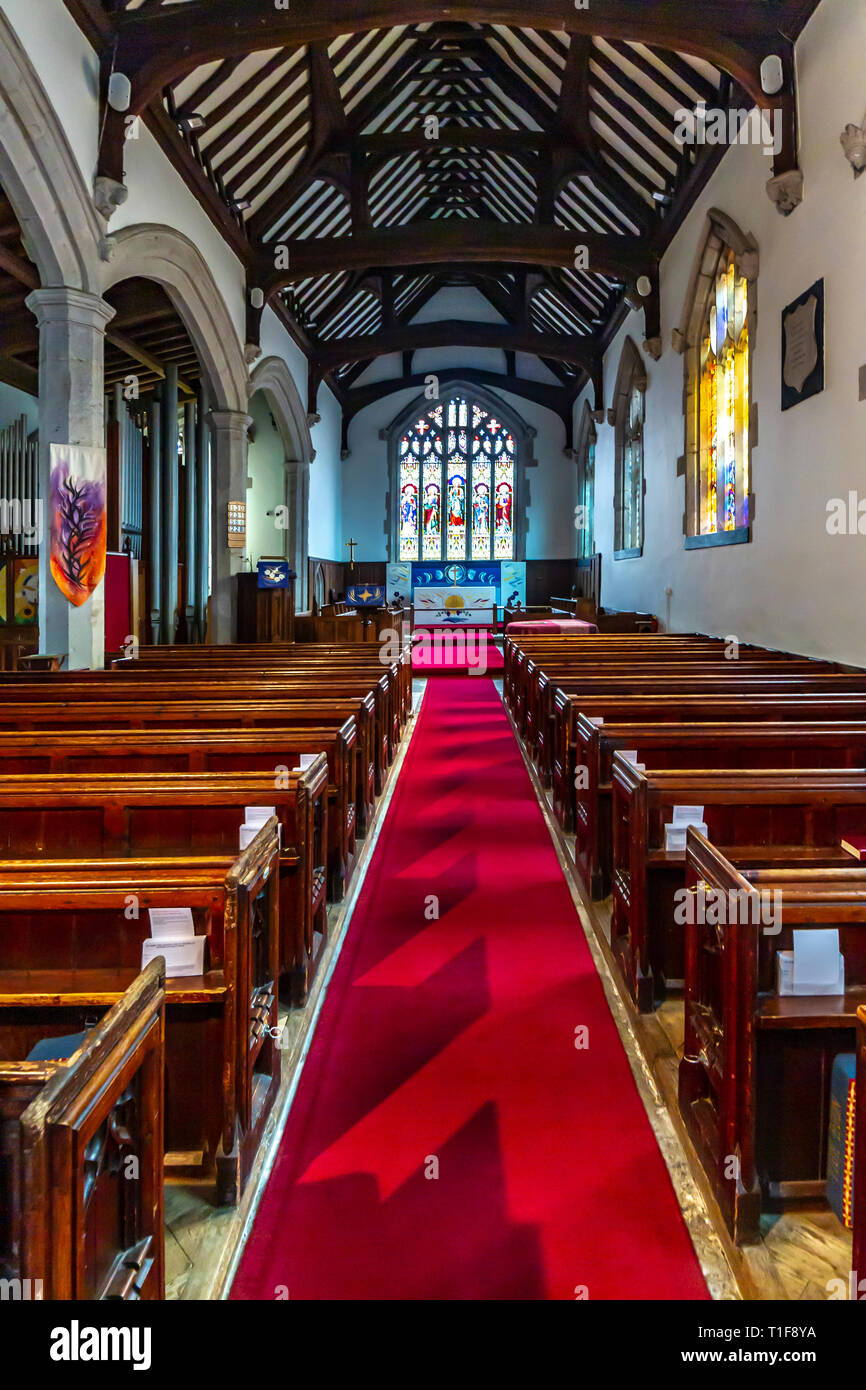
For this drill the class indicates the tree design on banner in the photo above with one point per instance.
(78, 520)
(461, 460)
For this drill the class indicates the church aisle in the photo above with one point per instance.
(448, 1139)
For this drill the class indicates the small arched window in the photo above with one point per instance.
(585, 513)
(627, 417)
(716, 338)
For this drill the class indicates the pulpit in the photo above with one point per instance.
(265, 614)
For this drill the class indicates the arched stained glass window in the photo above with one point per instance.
(724, 396)
(627, 417)
(715, 337)
(457, 485)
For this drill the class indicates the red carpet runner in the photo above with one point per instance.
(449, 1046)
(446, 653)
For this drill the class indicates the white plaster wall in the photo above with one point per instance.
(325, 533)
(551, 486)
(794, 586)
(67, 67)
(267, 473)
(14, 404)
(158, 194)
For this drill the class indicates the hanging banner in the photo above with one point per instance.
(78, 520)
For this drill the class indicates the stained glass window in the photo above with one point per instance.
(585, 513)
(629, 476)
(723, 405)
(463, 460)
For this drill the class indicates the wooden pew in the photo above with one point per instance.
(71, 933)
(73, 1224)
(286, 656)
(100, 687)
(546, 651)
(205, 750)
(780, 743)
(767, 815)
(212, 714)
(138, 815)
(680, 709)
(686, 680)
(754, 1077)
(536, 710)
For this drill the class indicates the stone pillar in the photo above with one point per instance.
(297, 502)
(71, 411)
(228, 484)
(202, 497)
(170, 508)
(189, 464)
(154, 440)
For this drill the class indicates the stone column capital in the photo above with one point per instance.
(59, 304)
(232, 422)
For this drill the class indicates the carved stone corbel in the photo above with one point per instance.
(653, 348)
(678, 341)
(786, 191)
(108, 195)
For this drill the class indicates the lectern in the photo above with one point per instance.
(265, 614)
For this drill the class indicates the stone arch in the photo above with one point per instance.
(162, 254)
(273, 378)
(40, 174)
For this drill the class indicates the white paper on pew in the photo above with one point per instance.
(246, 835)
(675, 837)
(171, 923)
(785, 977)
(307, 760)
(254, 818)
(630, 754)
(182, 958)
(596, 719)
(816, 956)
(688, 815)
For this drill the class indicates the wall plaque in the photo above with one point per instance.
(803, 347)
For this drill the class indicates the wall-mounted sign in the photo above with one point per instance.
(803, 347)
(78, 520)
(237, 525)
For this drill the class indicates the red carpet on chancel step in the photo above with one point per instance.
(448, 1140)
(448, 651)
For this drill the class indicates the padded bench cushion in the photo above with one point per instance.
(552, 626)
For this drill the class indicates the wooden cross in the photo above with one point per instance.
(351, 546)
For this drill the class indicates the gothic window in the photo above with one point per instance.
(716, 338)
(627, 417)
(457, 484)
(585, 514)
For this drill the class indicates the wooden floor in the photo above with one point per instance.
(802, 1249)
